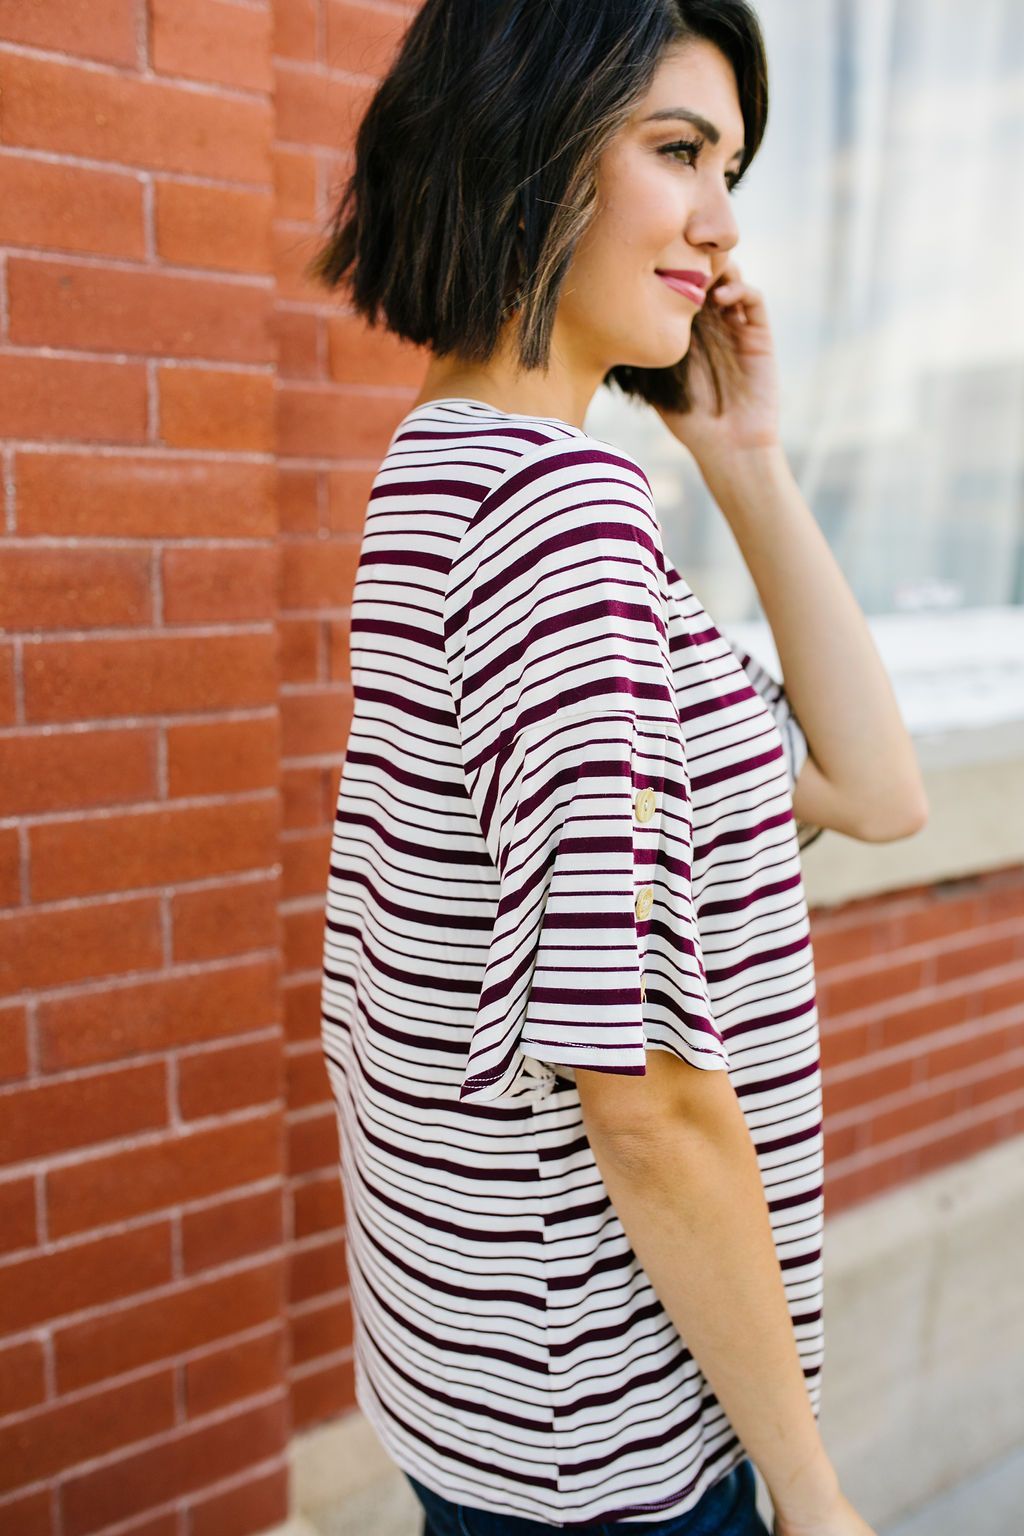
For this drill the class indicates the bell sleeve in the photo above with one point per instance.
(556, 645)
(794, 742)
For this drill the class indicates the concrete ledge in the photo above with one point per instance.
(924, 1335)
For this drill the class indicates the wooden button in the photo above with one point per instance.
(644, 805)
(643, 989)
(644, 902)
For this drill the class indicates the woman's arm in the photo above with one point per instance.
(862, 776)
(676, 1157)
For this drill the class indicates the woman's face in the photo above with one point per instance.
(661, 205)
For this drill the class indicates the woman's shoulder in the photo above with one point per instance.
(529, 440)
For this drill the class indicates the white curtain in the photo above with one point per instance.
(884, 220)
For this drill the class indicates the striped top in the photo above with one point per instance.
(564, 837)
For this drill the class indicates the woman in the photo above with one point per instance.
(568, 1006)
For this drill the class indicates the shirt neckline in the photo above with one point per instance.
(485, 405)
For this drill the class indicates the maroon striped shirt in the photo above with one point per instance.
(564, 837)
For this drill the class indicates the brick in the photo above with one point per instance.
(853, 1089)
(318, 1205)
(319, 1331)
(229, 919)
(59, 107)
(131, 1336)
(294, 248)
(153, 496)
(211, 40)
(180, 1465)
(223, 227)
(358, 355)
(300, 649)
(232, 1229)
(300, 1000)
(869, 987)
(45, 1443)
(320, 1395)
(315, 722)
(117, 309)
(219, 586)
(326, 110)
(43, 1119)
(308, 1083)
(298, 498)
(223, 756)
(46, 588)
(939, 919)
(22, 1378)
(140, 848)
(147, 675)
(243, 1369)
(209, 408)
(59, 399)
(317, 573)
(30, 1514)
(13, 1042)
(8, 712)
(52, 948)
(295, 31)
(157, 1015)
(305, 858)
(302, 798)
(70, 208)
(190, 1166)
(249, 1506)
(18, 1226)
(910, 1115)
(74, 770)
(980, 953)
(297, 336)
(1004, 1079)
(312, 419)
(902, 1024)
(75, 28)
(348, 494)
(93, 1273)
(339, 650)
(1003, 896)
(213, 1082)
(313, 1142)
(294, 171)
(316, 1270)
(362, 39)
(304, 933)
(10, 867)
(1005, 990)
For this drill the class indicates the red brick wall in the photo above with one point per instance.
(921, 997)
(189, 434)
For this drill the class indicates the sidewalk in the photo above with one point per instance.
(989, 1504)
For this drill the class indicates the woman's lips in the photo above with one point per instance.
(688, 290)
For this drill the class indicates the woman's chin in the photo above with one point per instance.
(660, 356)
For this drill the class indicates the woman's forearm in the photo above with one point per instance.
(833, 674)
(691, 1201)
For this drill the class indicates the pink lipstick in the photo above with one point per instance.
(689, 284)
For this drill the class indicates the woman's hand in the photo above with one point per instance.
(841, 1520)
(750, 413)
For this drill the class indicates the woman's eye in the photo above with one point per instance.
(685, 146)
(694, 147)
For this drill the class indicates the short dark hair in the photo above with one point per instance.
(475, 168)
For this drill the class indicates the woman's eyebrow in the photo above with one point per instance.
(698, 121)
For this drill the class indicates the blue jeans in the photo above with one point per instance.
(727, 1508)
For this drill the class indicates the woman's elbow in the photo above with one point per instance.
(900, 815)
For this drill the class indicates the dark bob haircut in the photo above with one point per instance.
(476, 160)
